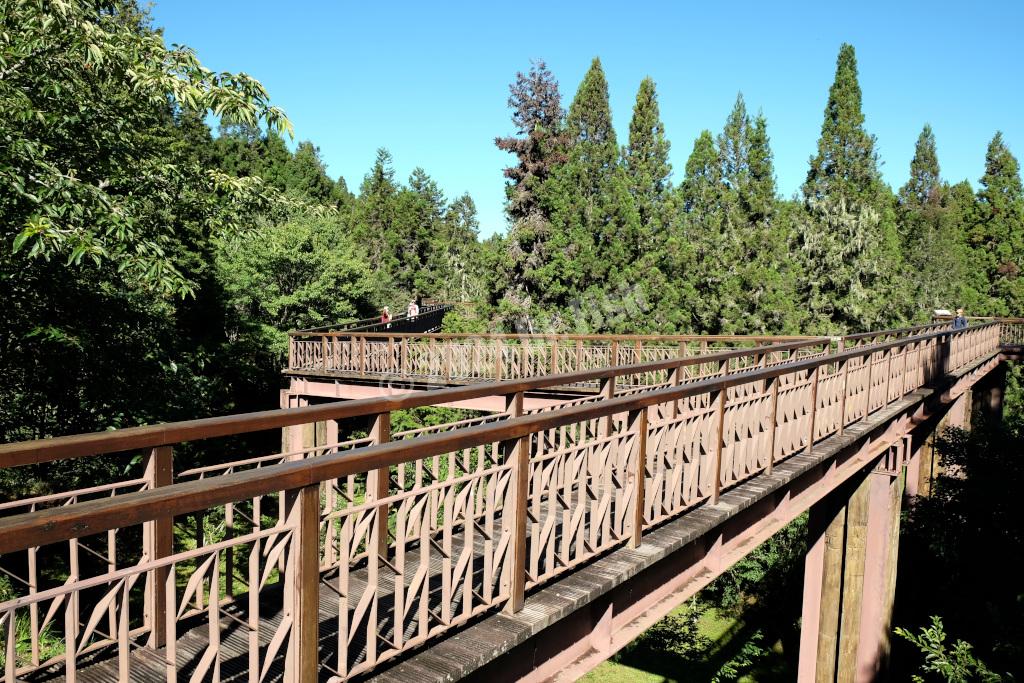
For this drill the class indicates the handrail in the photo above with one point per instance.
(905, 331)
(91, 517)
(580, 337)
(151, 436)
(366, 324)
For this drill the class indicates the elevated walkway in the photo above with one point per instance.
(552, 534)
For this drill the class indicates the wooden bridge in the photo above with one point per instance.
(602, 481)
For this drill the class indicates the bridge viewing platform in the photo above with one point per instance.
(601, 481)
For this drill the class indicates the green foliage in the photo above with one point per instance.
(88, 93)
(931, 220)
(972, 512)
(846, 165)
(997, 236)
(849, 244)
(956, 664)
(296, 274)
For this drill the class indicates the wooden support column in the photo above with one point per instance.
(849, 579)
(987, 395)
(158, 542)
(959, 414)
(819, 634)
(302, 580)
(517, 452)
(881, 555)
(853, 564)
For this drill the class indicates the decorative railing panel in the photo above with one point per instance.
(388, 540)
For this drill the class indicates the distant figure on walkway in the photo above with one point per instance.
(414, 310)
(959, 322)
(385, 318)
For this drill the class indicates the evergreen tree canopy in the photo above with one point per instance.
(594, 150)
(925, 184)
(645, 160)
(998, 235)
(540, 139)
(846, 166)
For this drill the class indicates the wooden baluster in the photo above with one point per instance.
(392, 361)
(291, 351)
(869, 359)
(302, 582)
(379, 480)
(845, 370)
(554, 356)
(362, 355)
(773, 425)
(7, 628)
(579, 355)
(720, 435)
(323, 351)
(405, 357)
(814, 407)
(71, 616)
(608, 392)
(888, 375)
(448, 343)
(499, 361)
(613, 353)
(158, 543)
(673, 381)
(33, 610)
(517, 452)
(638, 426)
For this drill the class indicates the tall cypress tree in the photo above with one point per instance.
(701, 198)
(849, 241)
(760, 198)
(846, 165)
(925, 184)
(998, 235)
(540, 145)
(594, 223)
(540, 140)
(594, 149)
(646, 163)
(934, 245)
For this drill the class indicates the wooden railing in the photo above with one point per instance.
(411, 534)
(462, 358)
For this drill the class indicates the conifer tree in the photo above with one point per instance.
(540, 141)
(760, 198)
(934, 243)
(846, 165)
(594, 150)
(540, 146)
(646, 163)
(594, 223)
(997, 237)
(701, 201)
(852, 261)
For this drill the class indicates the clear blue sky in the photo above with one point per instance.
(429, 80)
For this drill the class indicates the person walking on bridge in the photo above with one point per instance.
(959, 322)
(413, 310)
(385, 318)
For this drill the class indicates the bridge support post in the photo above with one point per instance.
(849, 580)
(987, 395)
(517, 452)
(302, 582)
(158, 542)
